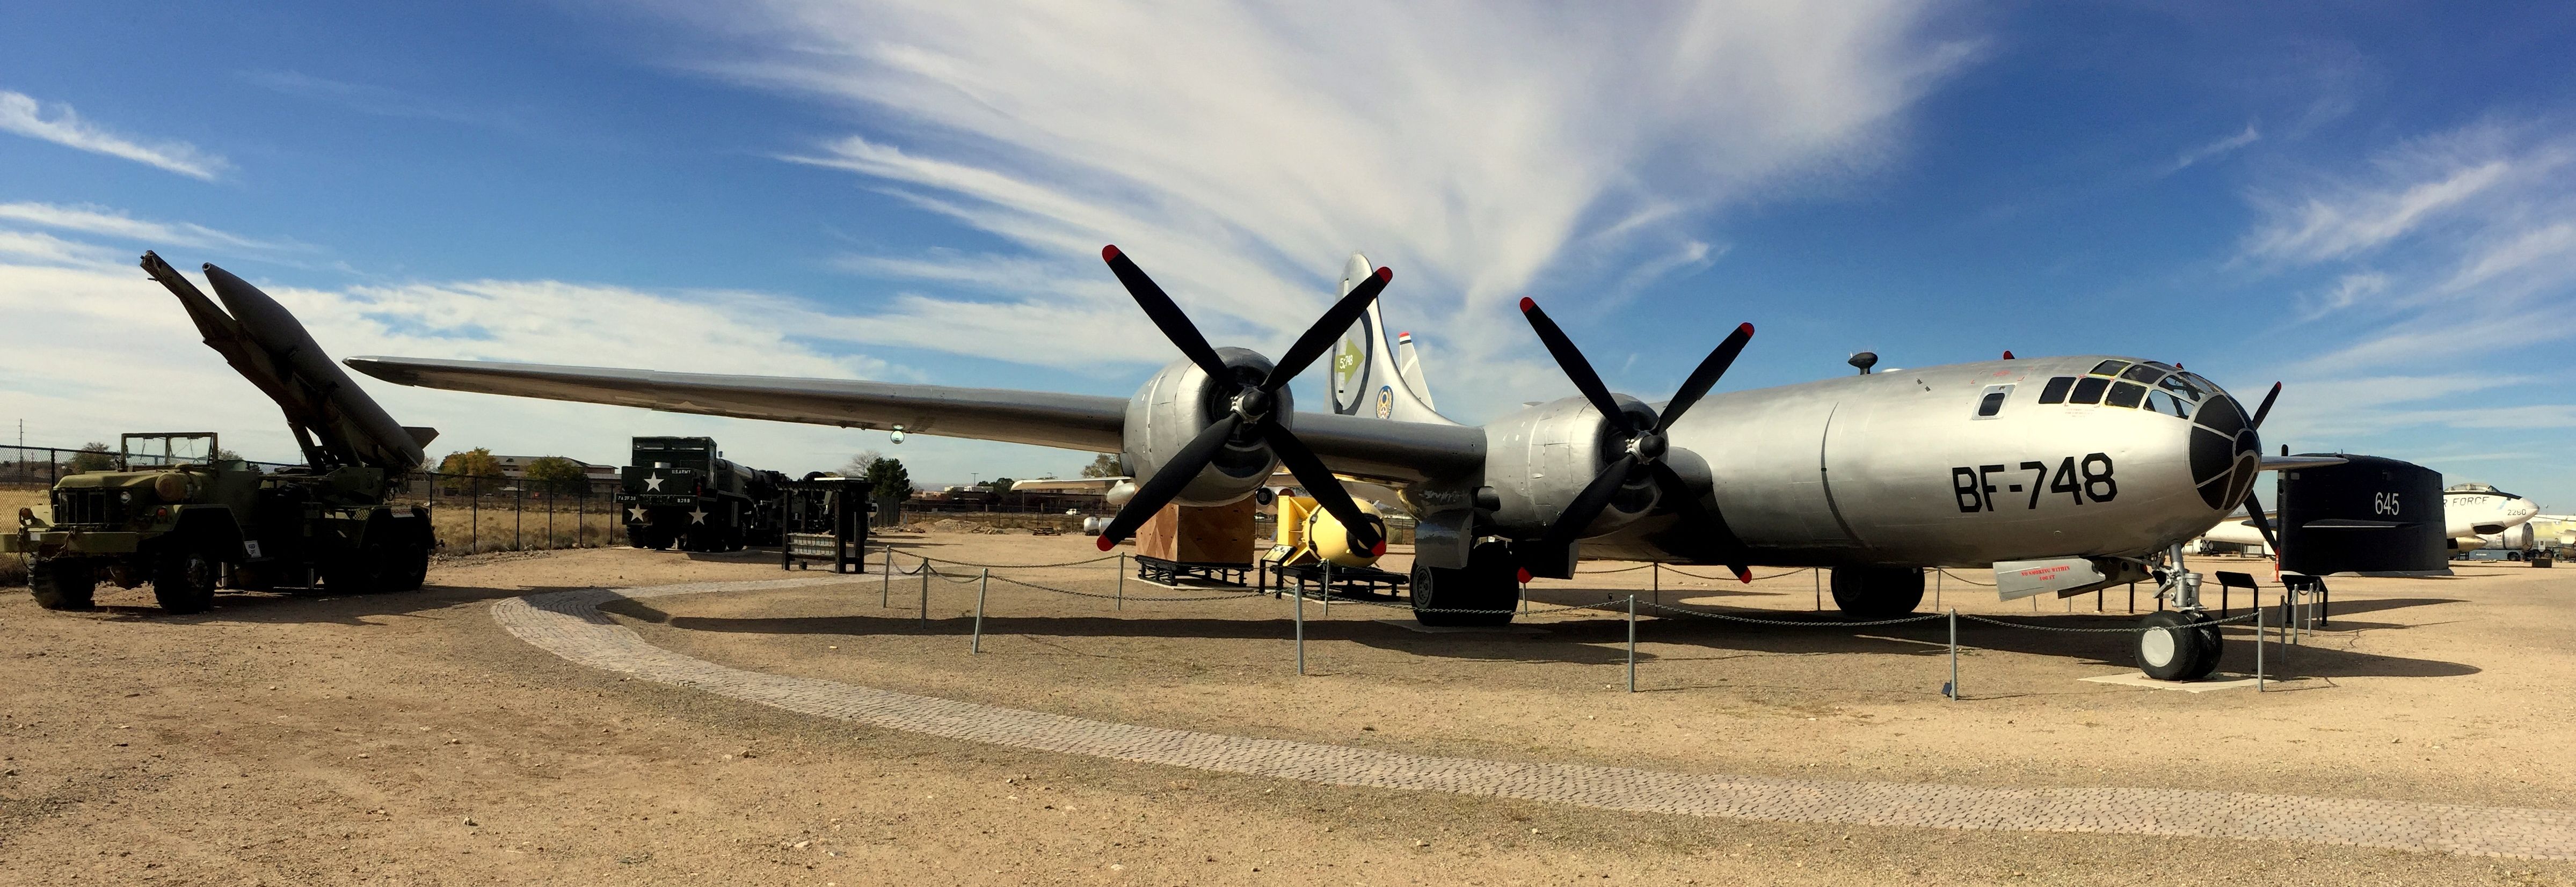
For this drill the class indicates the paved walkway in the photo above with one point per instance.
(569, 624)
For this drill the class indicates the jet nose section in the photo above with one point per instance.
(2226, 453)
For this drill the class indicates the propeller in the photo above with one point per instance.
(1643, 437)
(1252, 407)
(2253, 502)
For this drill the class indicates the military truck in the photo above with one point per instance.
(681, 491)
(190, 523)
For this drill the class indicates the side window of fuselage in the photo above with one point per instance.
(1992, 401)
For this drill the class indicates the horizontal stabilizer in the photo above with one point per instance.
(421, 435)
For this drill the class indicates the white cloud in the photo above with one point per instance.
(95, 347)
(22, 114)
(1239, 152)
(2216, 148)
(112, 223)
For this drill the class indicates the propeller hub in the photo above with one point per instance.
(1649, 447)
(1254, 403)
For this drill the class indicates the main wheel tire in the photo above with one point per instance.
(184, 581)
(63, 583)
(2172, 647)
(1877, 592)
(1484, 593)
(410, 567)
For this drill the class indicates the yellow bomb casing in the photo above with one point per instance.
(1331, 541)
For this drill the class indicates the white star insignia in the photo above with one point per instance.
(697, 515)
(653, 484)
(635, 515)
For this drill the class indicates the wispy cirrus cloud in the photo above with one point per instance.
(1239, 152)
(2216, 148)
(22, 114)
(114, 223)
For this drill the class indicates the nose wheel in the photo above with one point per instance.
(2177, 646)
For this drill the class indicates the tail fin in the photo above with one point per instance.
(1368, 378)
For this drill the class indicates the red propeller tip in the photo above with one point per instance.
(1528, 304)
(1744, 576)
(1744, 328)
(1385, 273)
(1107, 543)
(1109, 253)
(2008, 355)
(1525, 573)
(1378, 550)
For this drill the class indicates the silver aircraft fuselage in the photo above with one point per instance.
(1962, 465)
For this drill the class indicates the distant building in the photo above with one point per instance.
(516, 467)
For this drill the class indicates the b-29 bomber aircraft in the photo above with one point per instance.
(2063, 474)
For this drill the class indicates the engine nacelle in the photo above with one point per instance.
(1539, 459)
(1181, 401)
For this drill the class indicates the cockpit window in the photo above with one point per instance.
(2168, 404)
(2126, 394)
(1993, 401)
(2181, 386)
(2109, 367)
(2089, 390)
(2143, 374)
(2055, 392)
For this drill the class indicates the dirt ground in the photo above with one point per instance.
(406, 739)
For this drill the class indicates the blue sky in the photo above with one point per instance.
(2375, 203)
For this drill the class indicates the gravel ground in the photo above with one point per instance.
(406, 739)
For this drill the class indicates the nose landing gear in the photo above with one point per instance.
(2180, 644)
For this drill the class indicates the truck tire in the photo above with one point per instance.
(184, 581)
(62, 583)
(364, 571)
(410, 567)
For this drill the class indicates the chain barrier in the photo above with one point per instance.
(943, 560)
(1608, 572)
(1966, 579)
(1232, 595)
(2232, 620)
(1793, 623)
(1672, 569)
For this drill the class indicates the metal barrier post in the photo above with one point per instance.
(925, 594)
(1301, 630)
(474, 510)
(885, 592)
(1952, 689)
(981, 585)
(1655, 573)
(1820, 589)
(1632, 643)
(1122, 581)
(518, 515)
(2258, 645)
(1937, 573)
(1328, 588)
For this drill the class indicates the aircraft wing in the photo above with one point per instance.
(2294, 463)
(1376, 448)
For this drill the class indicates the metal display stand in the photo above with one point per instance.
(1344, 581)
(1155, 569)
(824, 520)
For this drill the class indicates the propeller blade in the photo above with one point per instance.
(2254, 510)
(1321, 484)
(2266, 408)
(1166, 314)
(1589, 503)
(1706, 376)
(1569, 359)
(1320, 337)
(1696, 515)
(1167, 483)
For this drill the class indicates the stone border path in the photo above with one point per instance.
(569, 624)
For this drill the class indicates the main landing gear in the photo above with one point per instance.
(1483, 593)
(2179, 644)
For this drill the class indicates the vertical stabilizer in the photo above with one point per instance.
(1367, 377)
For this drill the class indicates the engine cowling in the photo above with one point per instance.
(1539, 459)
(1179, 402)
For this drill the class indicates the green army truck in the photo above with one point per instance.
(188, 526)
(682, 491)
(188, 522)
